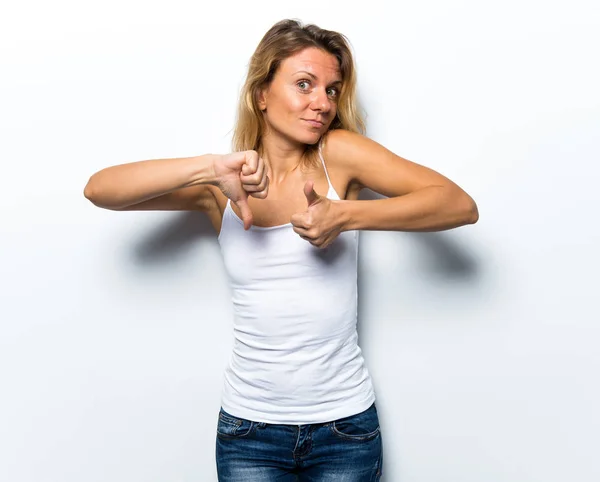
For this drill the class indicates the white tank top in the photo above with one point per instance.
(296, 358)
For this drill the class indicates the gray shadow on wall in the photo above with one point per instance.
(446, 259)
(172, 240)
(443, 260)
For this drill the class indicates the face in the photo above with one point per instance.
(301, 101)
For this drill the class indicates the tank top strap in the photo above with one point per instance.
(331, 191)
(323, 162)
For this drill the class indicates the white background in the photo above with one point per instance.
(115, 328)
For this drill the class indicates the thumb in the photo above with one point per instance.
(309, 191)
(242, 204)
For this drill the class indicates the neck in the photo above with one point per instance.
(281, 156)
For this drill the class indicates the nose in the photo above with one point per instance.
(320, 101)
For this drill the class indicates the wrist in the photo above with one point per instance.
(204, 167)
(344, 214)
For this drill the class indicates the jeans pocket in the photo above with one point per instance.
(230, 426)
(362, 426)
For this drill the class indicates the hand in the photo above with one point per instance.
(239, 175)
(320, 223)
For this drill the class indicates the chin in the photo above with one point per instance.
(303, 136)
(311, 137)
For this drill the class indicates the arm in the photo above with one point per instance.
(420, 199)
(181, 184)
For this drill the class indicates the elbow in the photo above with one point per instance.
(93, 193)
(464, 208)
(88, 191)
(471, 212)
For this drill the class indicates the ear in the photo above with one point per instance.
(261, 98)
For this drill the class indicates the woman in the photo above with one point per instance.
(297, 399)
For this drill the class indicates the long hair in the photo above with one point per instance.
(283, 40)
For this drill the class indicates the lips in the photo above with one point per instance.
(314, 123)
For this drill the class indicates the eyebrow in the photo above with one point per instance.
(315, 77)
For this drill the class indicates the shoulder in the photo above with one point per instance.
(349, 152)
(338, 141)
(346, 147)
(336, 147)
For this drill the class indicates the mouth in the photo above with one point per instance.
(314, 123)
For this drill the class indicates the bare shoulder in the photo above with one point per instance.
(367, 164)
(340, 138)
(343, 150)
(346, 149)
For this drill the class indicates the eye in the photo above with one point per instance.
(333, 92)
(303, 84)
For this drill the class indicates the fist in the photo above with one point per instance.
(239, 175)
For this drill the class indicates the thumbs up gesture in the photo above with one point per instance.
(319, 224)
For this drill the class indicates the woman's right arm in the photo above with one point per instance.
(180, 183)
(161, 184)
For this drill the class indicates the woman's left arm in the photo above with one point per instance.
(419, 198)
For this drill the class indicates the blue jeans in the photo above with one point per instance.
(346, 450)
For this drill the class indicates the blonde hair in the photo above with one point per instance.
(283, 40)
